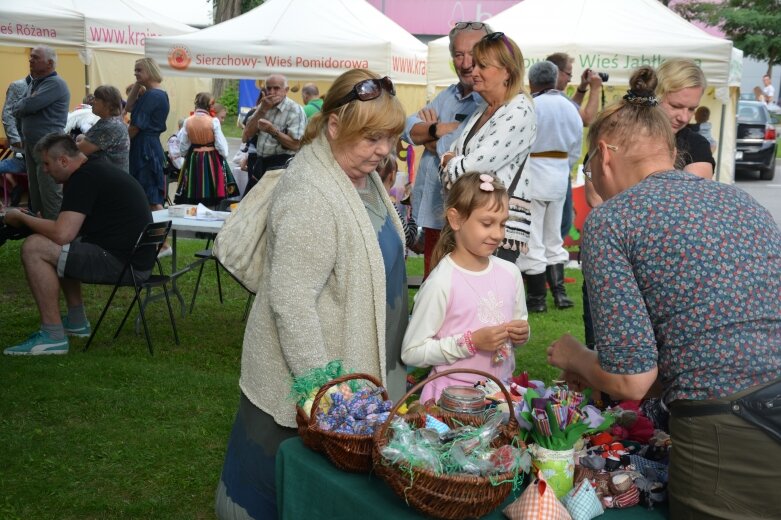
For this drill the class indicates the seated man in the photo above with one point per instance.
(103, 213)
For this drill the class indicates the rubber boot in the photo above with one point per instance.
(536, 293)
(555, 274)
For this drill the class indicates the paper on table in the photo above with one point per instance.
(204, 213)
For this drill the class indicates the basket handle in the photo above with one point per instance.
(513, 421)
(341, 379)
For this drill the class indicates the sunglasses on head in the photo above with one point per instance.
(492, 37)
(476, 26)
(367, 90)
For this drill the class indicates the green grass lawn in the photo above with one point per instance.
(117, 433)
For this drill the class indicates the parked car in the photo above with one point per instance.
(755, 146)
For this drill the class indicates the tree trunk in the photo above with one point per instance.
(224, 10)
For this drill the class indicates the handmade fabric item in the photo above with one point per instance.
(240, 245)
(539, 502)
(436, 424)
(582, 502)
(628, 498)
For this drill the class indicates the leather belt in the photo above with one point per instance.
(693, 409)
(550, 154)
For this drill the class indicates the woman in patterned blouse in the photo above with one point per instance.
(684, 277)
(497, 138)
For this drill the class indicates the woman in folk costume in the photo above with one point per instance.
(205, 177)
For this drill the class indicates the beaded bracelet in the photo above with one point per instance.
(470, 346)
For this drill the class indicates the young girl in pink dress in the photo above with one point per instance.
(471, 310)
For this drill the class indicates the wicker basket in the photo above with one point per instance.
(346, 451)
(449, 497)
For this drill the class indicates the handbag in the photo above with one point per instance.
(240, 245)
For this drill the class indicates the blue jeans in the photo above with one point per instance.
(12, 165)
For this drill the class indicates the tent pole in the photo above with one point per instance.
(86, 80)
(721, 141)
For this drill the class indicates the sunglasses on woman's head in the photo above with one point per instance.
(492, 37)
(367, 90)
(476, 26)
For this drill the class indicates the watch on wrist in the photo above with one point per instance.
(432, 130)
(583, 91)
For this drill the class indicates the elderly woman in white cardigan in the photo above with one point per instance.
(333, 283)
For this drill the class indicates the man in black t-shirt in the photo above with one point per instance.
(103, 213)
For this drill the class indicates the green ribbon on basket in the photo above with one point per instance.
(305, 384)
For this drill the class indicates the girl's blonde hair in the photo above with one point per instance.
(502, 52)
(151, 68)
(636, 116)
(465, 197)
(677, 74)
(357, 119)
(387, 166)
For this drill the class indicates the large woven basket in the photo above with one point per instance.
(347, 452)
(450, 497)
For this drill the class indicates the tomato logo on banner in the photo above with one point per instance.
(179, 58)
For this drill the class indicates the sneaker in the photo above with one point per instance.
(79, 331)
(165, 251)
(39, 344)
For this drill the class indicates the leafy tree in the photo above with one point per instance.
(754, 26)
(225, 10)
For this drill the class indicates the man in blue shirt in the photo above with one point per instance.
(436, 126)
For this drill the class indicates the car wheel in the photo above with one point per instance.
(767, 174)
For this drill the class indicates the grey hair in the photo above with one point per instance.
(543, 74)
(455, 32)
(49, 54)
(282, 77)
(310, 89)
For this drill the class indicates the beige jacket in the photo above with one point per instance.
(322, 291)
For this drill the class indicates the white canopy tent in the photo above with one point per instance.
(616, 36)
(97, 41)
(303, 39)
(306, 40)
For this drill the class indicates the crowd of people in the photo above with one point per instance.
(682, 274)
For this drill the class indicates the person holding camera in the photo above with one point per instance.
(589, 80)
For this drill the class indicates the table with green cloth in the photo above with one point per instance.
(310, 487)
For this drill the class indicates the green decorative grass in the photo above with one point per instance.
(117, 433)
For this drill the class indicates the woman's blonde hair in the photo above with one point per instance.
(636, 116)
(357, 119)
(151, 68)
(465, 197)
(677, 74)
(502, 52)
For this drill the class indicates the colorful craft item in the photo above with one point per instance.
(357, 414)
(556, 417)
(462, 450)
(582, 502)
(434, 423)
